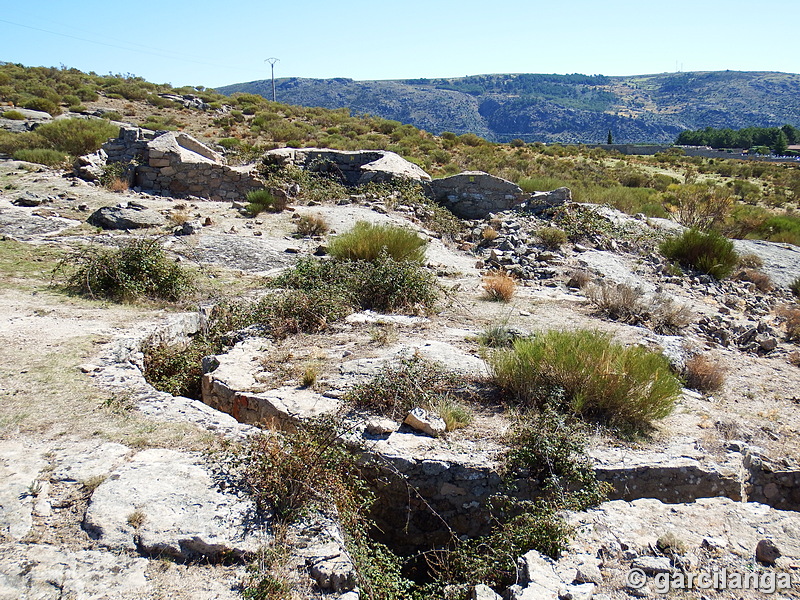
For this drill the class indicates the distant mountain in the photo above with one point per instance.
(558, 108)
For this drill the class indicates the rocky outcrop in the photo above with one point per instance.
(129, 215)
(230, 384)
(353, 167)
(164, 502)
(475, 194)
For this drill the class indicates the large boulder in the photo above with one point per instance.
(354, 167)
(126, 216)
(475, 194)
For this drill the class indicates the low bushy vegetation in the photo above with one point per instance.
(50, 158)
(137, 269)
(552, 237)
(627, 304)
(384, 285)
(708, 252)
(586, 373)
(548, 448)
(259, 201)
(794, 287)
(412, 382)
(499, 286)
(312, 225)
(703, 374)
(77, 136)
(66, 136)
(367, 241)
(290, 474)
(791, 322)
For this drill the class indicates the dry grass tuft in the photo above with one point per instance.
(703, 374)
(750, 261)
(619, 302)
(499, 286)
(791, 318)
(311, 225)
(579, 279)
(489, 234)
(761, 280)
(118, 185)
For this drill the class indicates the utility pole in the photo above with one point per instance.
(272, 62)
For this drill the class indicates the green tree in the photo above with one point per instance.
(779, 142)
(610, 138)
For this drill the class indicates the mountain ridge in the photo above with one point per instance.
(558, 108)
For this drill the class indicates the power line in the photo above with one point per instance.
(162, 54)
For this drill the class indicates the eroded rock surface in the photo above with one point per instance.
(166, 502)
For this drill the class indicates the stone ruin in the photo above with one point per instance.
(175, 163)
(353, 167)
(475, 194)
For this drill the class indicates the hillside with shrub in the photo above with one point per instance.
(558, 108)
(741, 199)
(325, 384)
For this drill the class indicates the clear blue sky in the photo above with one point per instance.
(217, 43)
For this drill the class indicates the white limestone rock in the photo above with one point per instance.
(165, 502)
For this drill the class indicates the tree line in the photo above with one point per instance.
(777, 139)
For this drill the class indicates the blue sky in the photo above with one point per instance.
(216, 43)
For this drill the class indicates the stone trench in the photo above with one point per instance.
(430, 489)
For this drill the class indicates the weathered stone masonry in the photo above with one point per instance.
(176, 164)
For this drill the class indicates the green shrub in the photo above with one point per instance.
(113, 116)
(139, 268)
(708, 252)
(397, 389)
(366, 241)
(229, 143)
(304, 311)
(77, 136)
(42, 104)
(585, 373)
(551, 450)
(14, 115)
(264, 200)
(385, 285)
(51, 158)
(794, 287)
(552, 237)
(28, 140)
(388, 285)
(497, 336)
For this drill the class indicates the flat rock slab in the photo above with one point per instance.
(126, 217)
(90, 463)
(735, 527)
(20, 464)
(781, 261)
(166, 502)
(40, 572)
(252, 254)
(21, 224)
(613, 268)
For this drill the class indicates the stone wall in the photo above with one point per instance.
(353, 167)
(176, 164)
(771, 483)
(475, 194)
(129, 146)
